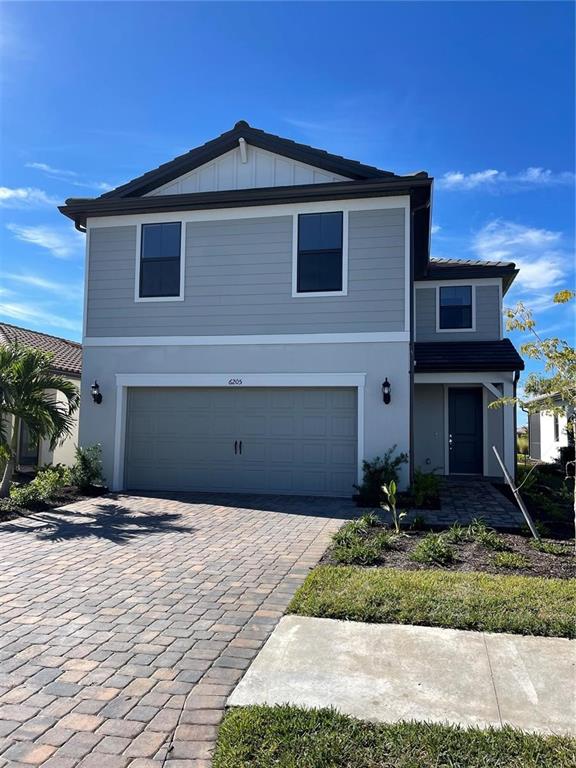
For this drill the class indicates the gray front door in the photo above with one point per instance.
(253, 440)
(465, 425)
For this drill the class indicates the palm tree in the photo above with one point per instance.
(28, 390)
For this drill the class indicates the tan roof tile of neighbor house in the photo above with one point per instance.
(67, 354)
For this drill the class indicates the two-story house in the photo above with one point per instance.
(261, 316)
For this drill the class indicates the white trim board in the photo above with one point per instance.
(254, 212)
(472, 328)
(229, 381)
(202, 341)
(345, 245)
(143, 299)
(481, 377)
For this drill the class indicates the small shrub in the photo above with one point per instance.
(419, 523)
(358, 552)
(377, 473)
(370, 520)
(349, 533)
(41, 488)
(549, 548)
(87, 471)
(25, 495)
(425, 487)
(456, 533)
(433, 549)
(510, 560)
(542, 529)
(478, 531)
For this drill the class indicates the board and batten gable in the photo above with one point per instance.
(488, 313)
(238, 279)
(259, 168)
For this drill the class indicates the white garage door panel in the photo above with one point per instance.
(300, 441)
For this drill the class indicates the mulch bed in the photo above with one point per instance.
(66, 495)
(473, 556)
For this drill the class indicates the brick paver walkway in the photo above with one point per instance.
(125, 622)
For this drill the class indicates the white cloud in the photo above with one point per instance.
(63, 290)
(538, 254)
(494, 180)
(71, 177)
(25, 197)
(435, 228)
(25, 313)
(63, 244)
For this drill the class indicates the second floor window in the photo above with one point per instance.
(455, 311)
(556, 428)
(160, 260)
(319, 267)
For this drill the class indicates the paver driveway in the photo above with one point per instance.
(125, 622)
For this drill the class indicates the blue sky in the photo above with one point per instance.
(481, 95)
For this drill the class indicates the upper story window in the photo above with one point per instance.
(455, 308)
(556, 428)
(320, 261)
(160, 273)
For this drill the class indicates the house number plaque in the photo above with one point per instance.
(234, 382)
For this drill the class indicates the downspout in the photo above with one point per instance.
(411, 342)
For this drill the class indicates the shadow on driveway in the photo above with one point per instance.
(104, 520)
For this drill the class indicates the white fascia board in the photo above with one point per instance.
(462, 377)
(204, 341)
(237, 380)
(254, 211)
(450, 283)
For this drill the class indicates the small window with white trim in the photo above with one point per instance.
(320, 262)
(160, 255)
(455, 308)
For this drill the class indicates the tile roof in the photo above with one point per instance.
(67, 355)
(464, 269)
(202, 154)
(440, 356)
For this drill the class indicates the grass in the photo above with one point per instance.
(289, 737)
(352, 546)
(550, 548)
(525, 605)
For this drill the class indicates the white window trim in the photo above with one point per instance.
(228, 381)
(316, 294)
(180, 297)
(472, 328)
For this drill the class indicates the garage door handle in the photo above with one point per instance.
(240, 447)
(235, 447)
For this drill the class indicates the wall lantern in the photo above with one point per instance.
(96, 394)
(386, 391)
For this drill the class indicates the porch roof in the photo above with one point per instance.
(437, 356)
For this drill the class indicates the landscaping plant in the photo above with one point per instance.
(555, 388)
(433, 549)
(425, 487)
(28, 393)
(87, 471)
(389, 505)
(377, 473)
(510, 560)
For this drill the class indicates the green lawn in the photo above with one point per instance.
(478, 601)
(288, 737)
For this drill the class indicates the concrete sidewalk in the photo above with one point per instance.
(389, 672)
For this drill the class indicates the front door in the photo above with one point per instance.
(465, 426)
(27, 447)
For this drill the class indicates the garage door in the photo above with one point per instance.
(276, 440)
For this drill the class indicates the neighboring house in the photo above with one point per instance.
(250, 316)
(547, 432)
(67, 361)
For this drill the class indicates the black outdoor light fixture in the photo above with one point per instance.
(96, 394)
(386, 391)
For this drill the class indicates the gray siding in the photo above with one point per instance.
(487, 316)
(239, 281)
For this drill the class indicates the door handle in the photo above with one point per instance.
(240, 447)
(235, 447)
